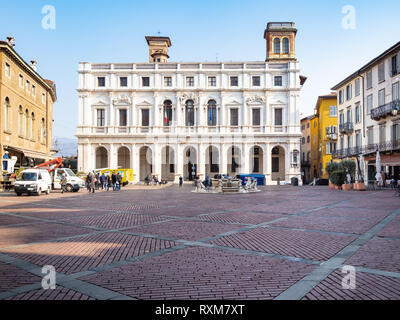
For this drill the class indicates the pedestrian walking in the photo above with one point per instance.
(108, 182)
(114, 180)
(93, 182)
(64, 182)
(119, 181)
(97, 181)
(180, 182)
(88, 180)
(103, 181)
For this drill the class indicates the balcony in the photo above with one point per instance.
(381, 112)
(388, 146)
(347, 127)
(348, 152)
(331, 136)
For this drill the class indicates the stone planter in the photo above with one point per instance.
(346, 187)
(338, 187)
(331, 185)
(360, 186)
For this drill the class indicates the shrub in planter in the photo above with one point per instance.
(332, 167)
(338, 177)
(349, 166)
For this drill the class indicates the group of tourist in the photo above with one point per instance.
(153, 180)
(95, 181)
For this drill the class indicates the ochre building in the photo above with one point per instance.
(26, 116)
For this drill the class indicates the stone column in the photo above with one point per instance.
(201, 156)
(113, 156)
(224, 158)
(245, 161)
(135, 163)
(179, 162)
(268, 170)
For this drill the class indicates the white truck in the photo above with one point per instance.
(33, 182)
(74, 183)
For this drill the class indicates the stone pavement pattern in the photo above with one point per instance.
(283, 243)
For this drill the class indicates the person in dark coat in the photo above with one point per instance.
(180, 182)
(103, 181)
(119, 181)
(88, 181)
(114, 180)
(108, 182)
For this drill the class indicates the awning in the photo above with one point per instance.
(30, 153)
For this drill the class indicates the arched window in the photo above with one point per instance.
(26, 128)
(277, 45)
(167, 113)
(212, 113)
(42, 132)
(189, 112)
(32, 125)
(6, 114)
(285, 45)
(20, 121)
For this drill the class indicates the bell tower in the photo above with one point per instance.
(158, 49)
(280, 37)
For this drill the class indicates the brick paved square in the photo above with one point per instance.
(392, 230)
(327, 224)
(60, 293)
(382, 254)
(241, 217)
(18, 235)
(300, 244)
(352, 213)
(368, 287)
(6, 220)
(61, 231)
(202, 273)
(85, 253)
(115, 221)
(12, 277)
(185, 229)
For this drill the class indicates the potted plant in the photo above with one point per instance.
(330, 168)
(349, 167)
(338, 178)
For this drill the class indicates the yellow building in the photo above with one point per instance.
(305, 149)
(26, 117)
(326, 130)
(314, 163)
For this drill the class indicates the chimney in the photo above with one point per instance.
(11, 41)
(34, 65)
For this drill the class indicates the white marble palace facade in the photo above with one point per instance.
(192, 119)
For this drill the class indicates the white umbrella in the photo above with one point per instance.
(379, 169)
(378, 163)
(361, 168)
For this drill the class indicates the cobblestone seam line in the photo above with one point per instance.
(300, 289)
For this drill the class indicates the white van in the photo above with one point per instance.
(33, 182)
(74, 183)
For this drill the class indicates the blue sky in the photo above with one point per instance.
(114, 31)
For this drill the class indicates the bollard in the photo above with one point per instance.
(279, 181)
